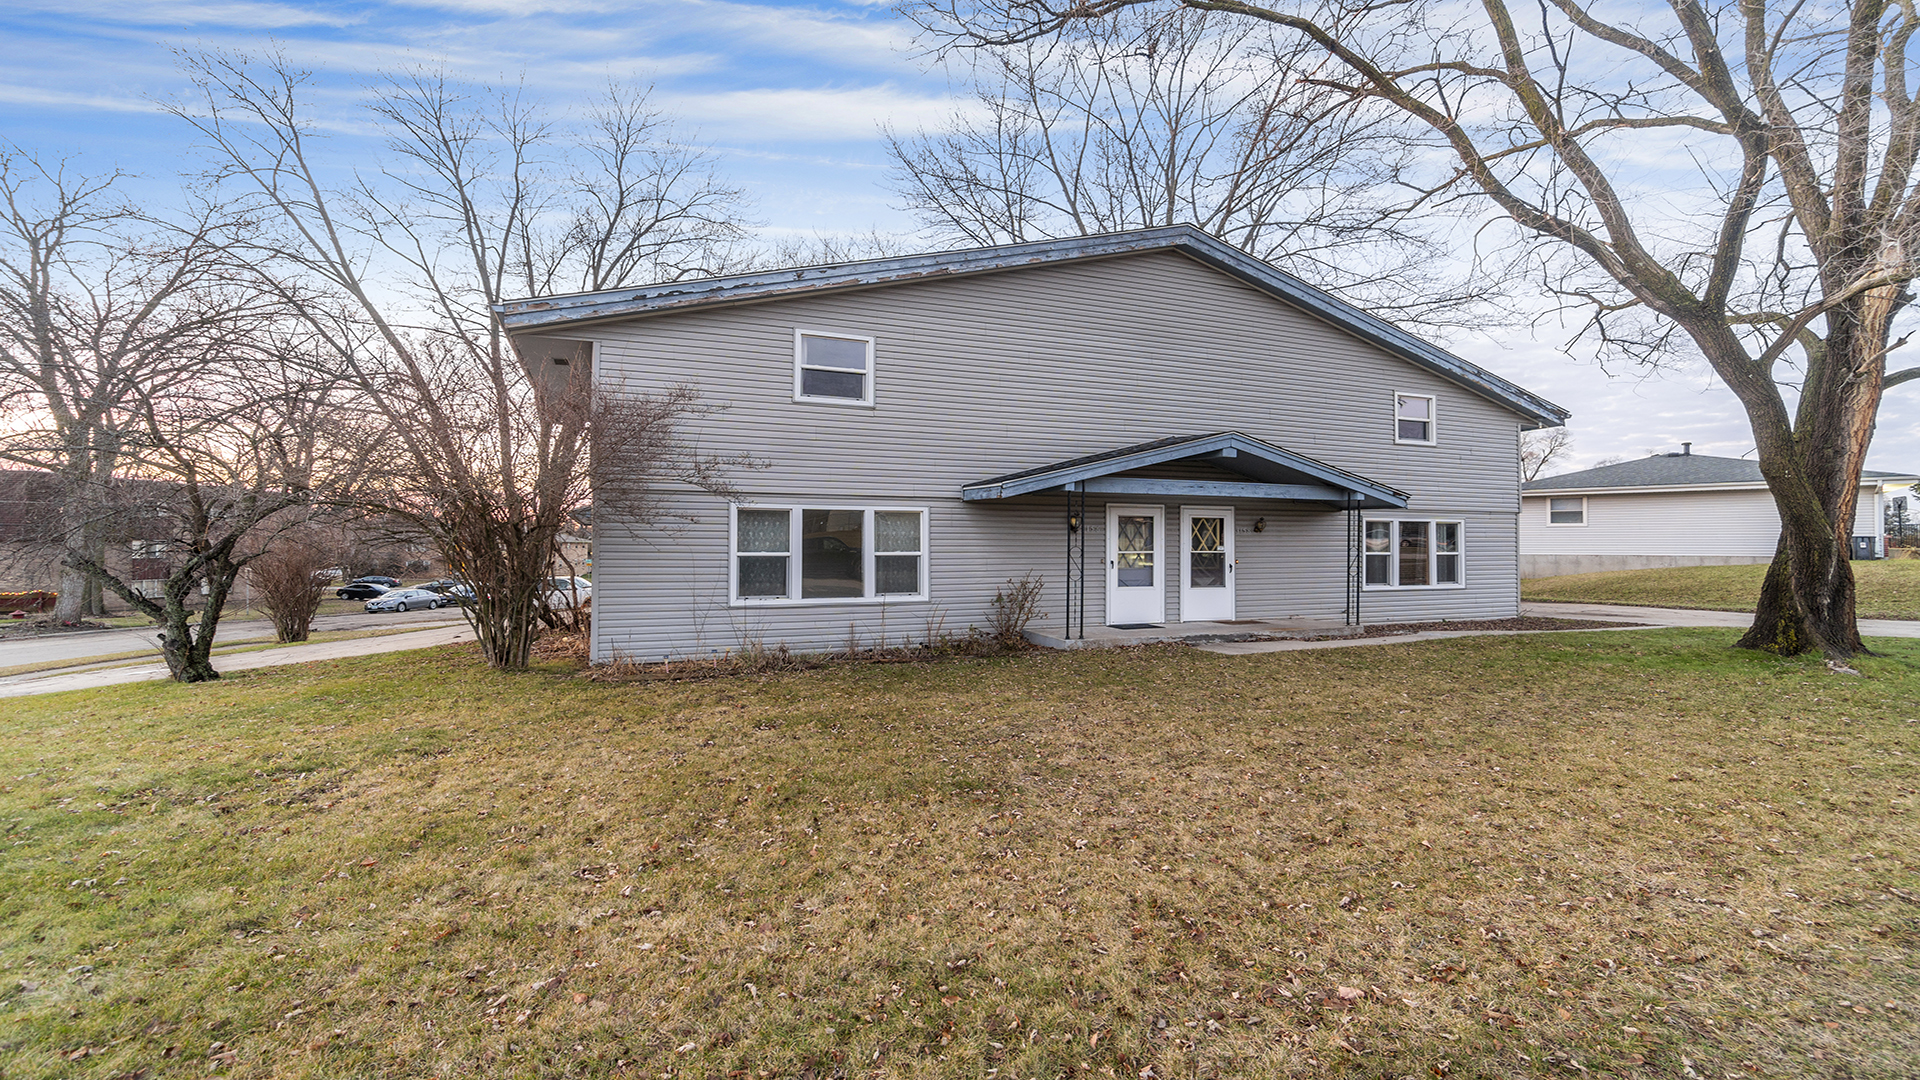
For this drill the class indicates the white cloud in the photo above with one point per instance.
(237, 14)
(801, 114)
(13, 94)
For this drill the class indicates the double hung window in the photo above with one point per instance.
(1411, 554)
(1413, 419)
(1569, 511)
(828, 554)
(832, 367)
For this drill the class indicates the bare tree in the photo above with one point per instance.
(102, 308)
(1141, 119)
(207, 476)
(1797, 127)
(1538, 449)
(481, 198)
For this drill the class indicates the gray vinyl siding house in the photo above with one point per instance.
(1158, 387)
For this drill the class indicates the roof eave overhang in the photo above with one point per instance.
(1348, 490)
(1668, 489)
(569, 312)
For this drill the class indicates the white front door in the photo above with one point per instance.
(1136, 593)
(1206, 563)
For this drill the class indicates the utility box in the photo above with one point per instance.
(1863, 548)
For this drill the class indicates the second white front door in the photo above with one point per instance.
(1136, 593)
(1206, 563)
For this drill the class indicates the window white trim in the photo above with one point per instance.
(795, 554)
(1581, 524)
(1432, 419)
(799, 354)
(1434, 555)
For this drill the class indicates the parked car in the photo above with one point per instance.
(443, 586)
(566, 592)
(405, 600)
(362, 590)
(379, 579)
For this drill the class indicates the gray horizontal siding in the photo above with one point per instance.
(982, 376)
(659, 597)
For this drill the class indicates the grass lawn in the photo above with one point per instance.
(1886, 588)
(1630, 853)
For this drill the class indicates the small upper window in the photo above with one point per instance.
(832, 367)
(1570, 511)
(1413, 418)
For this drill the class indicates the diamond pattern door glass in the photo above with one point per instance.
(1206, 554)
(1134, 551)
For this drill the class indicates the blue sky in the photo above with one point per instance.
(790, 96)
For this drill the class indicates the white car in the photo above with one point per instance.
(566, 592)
(406, 600)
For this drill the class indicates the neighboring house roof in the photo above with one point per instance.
(578, 309)
(1669, 471)
(1277, 473)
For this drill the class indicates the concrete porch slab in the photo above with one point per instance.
(1053, 635)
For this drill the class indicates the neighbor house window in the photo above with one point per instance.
(1413, 418)
(832, 367)
(828, 554)
(1568, 511)
(1411, 554)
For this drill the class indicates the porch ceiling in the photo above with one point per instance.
(1271, 472)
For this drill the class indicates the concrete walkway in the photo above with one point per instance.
(53, 682)
(1653, 617)
(1903, 628)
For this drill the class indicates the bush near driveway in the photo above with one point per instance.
(1636, 854)
(1885, 588)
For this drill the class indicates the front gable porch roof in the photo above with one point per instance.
(1273, 473)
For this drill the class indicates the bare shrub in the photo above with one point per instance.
(291, 580)
(1014, 606)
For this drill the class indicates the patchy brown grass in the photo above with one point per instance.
(1633, 854)
(1885, 588)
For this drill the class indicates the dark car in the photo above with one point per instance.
(377, 579)
(362, 590)
(443, 586)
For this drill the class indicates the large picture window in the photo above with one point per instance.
(828, 554)
(834, 368)
(1412, 554)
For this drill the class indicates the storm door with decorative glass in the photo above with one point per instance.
(1135, 593)
(1206, 586)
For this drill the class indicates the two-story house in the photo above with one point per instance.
(1162, 428)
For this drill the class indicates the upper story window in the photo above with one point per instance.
(835, 368)
(1413, 419)
(1568, 511)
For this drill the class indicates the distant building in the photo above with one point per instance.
(1678, 509)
